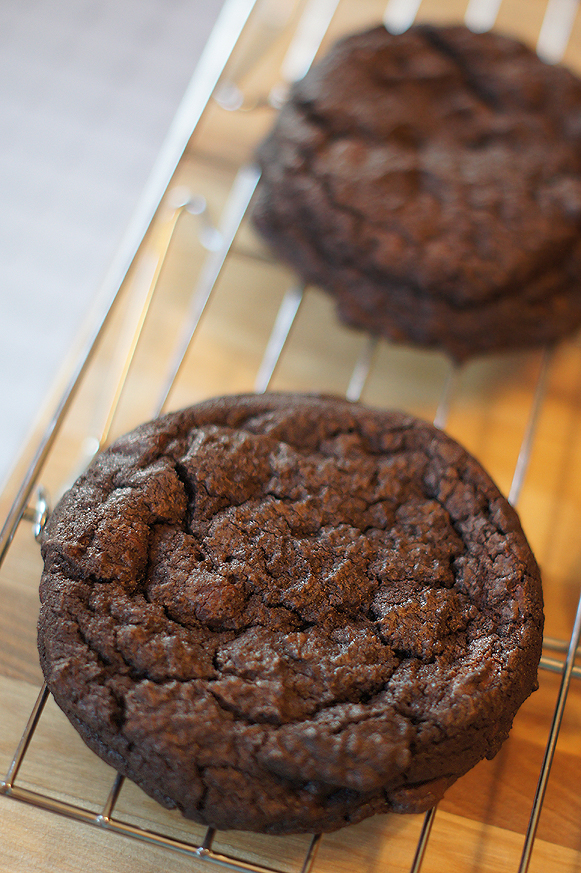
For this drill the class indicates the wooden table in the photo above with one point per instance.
(491, 405)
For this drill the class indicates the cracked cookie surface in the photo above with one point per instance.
(431, 182)
(288, 612)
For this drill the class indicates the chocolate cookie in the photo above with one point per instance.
(286, 612)
(431, 182)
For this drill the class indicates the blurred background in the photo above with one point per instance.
(88, 90)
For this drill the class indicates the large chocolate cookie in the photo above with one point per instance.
(286, 612)
(431, 181)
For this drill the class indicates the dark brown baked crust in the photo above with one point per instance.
(431, 181)
(286, 612)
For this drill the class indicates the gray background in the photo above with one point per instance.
(88, 89)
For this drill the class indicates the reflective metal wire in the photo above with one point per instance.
(285, 319)
(362, 369)
(527, 442)
(234, 211)
(551, 743)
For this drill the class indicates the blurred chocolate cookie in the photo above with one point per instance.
(431, 182)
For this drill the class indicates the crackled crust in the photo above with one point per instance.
(431, 181)
(286, 612)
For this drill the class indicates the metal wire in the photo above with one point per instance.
(240, 195)
(280, 333)
(556, 29)
(551, 743)
(7, 785)
(527, 443)
(423, 840)
(362, 369)
(450, 386)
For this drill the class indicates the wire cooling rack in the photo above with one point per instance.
(195, 306)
